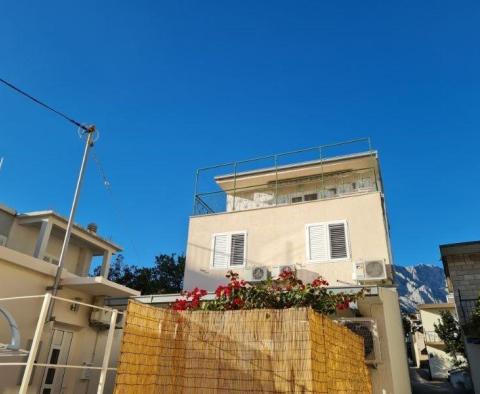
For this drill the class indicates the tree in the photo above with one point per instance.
(407, 325)
(166, 276)
(449, 331)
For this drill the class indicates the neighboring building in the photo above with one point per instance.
(30, 245)
(323, 217)
(439, 361)
(461, 262)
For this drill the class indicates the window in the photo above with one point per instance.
(327, 241)
(310, 197)
(229, 249)
(297, 199)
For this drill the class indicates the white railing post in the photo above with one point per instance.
(27, 374)
(108, 350)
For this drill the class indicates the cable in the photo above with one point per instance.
(120, 217)
(18, 90)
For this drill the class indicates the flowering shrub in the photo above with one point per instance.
(284, 292)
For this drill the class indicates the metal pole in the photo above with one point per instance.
(108, 350)
(88, 144)
(234, 184)
(27, 374)
(276, 179)
(195, 193)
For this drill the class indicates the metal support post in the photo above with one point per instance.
(108, 350)
(275, 158)
(32, 355)
(195, 197)
(88, 144)
(234, 184)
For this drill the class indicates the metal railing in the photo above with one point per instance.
(432, 337)
(275, 191)
(32, 353)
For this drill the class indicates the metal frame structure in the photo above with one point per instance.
(32, 353)
(201, 207)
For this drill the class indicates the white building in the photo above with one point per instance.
(30, 245)
(439, 361)
(322, 217)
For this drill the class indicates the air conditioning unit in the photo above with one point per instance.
(367, 329)
(370, 271)
(277, 270)
(256, 274)
(101, 318)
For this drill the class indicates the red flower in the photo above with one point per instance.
(286, 274)
(223, 291)
(343, 305)
(237, 302)
(180, 305)
(319, 282)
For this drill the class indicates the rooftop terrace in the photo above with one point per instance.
(305, 175)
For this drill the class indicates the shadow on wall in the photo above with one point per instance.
(204, 276)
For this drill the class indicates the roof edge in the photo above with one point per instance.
(298, 165)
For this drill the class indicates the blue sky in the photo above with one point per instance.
(173, 86)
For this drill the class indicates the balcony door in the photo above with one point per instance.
(58, 354)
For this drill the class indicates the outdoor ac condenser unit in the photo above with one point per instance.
(370, 271)
(99, 317)
(277, 270)
(367, 329)
(256, 274)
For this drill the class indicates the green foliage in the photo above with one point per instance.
(449, 331)
(284, 292)
(166, 276)
(407, 325)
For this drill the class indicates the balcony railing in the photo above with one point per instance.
(274, 191)
(432, 337)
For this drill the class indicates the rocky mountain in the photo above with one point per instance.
(420, 284)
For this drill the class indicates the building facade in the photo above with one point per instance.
(30, 246)
(322, 217)
(461, 263)
(439, 361)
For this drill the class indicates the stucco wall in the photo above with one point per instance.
(85, 339)
(276, 236)
(24, 238)
(390, 376)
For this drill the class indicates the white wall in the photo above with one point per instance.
(276, 236)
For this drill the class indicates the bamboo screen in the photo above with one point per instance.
(256, 351)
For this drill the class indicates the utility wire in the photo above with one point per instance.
(18, 90)
(117, 211)
(106, 182)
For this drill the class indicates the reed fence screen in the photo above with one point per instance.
(254, 351)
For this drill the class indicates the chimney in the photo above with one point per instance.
(92, 227)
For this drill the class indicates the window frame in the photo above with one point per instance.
(329, 246)
(229, 265)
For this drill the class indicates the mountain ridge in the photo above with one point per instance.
(419, 284)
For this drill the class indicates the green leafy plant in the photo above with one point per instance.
(449, 331)
(286, 291)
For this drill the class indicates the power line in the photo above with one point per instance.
(117, 211)
(66, 117)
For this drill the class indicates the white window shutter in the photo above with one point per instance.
(318, 242)
(338, 241)
(221, 247)
(237, 249)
